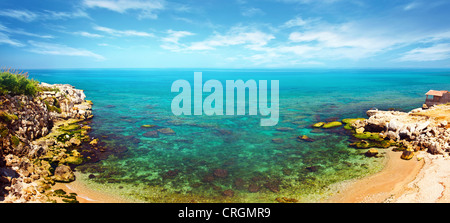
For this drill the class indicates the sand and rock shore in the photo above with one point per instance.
(417, 168)
(40, 140)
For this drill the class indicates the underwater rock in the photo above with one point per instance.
(151, 134)
(171, 174)
(273, 185)
(371, 152)
(305, 138)
(166, 131)
(148, 126)
(239, 183)
(277, 140)
(208, 178)
(220, 173)
(312, 168)
(318, 125)
(332, 125)
(253, 188)
(228, 193)
(94, 142)
(284, 129)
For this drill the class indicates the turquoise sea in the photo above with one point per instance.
(210, 158)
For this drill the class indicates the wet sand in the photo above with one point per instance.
(86, 194)
(384, 186)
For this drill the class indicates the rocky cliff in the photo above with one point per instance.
(27, 157)
(426, 130)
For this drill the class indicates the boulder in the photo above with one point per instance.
(332, 125)
(407, 154)
(63, 173)
(318, 125)
(371, 152)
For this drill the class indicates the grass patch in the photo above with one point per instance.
(14, 83)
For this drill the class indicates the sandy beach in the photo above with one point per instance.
(86, 194)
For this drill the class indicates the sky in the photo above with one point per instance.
(225, 34)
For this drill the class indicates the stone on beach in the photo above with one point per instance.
(63, 173)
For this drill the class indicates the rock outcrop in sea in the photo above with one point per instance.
(425, 130)
(39, 139)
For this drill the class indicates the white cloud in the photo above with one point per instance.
(250, 12)
(28, 16)
(433, 53)
(62, 50)
(4, 39)
(174, 36)
(146, 8)
(294, 23)
(87, 34)
(120, 33)
(22, 15)
(24, 33)
(236, 36)
(411, 6)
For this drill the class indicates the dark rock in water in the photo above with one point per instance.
(273, 185)
(171, 174)
(228, 193)
(166, 131)
(208, 178)
(277, 140)
(305, 138)
(223, 132)
(371, 152)
(220, 173)
(284, 129)
(312, 168)
(151, 134)
(239, 183)
(253, 188)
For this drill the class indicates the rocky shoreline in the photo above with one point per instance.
(42, 137)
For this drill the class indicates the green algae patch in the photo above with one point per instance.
(318, 125)
(351, 120)
(369, 136)
(332, 125)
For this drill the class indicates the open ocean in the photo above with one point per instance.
(180, 167)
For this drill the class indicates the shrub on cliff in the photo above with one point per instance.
(14, 83)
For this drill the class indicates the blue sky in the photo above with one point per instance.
(224, 34)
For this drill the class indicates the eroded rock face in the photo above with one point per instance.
(24, 120)
(415, 129)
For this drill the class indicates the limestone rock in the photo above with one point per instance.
(63, 173)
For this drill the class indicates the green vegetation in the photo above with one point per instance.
(15, 83)
(6, 117)
(332, 124)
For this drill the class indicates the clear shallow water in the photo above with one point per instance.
(180, 167)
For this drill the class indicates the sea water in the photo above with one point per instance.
(258, 163)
